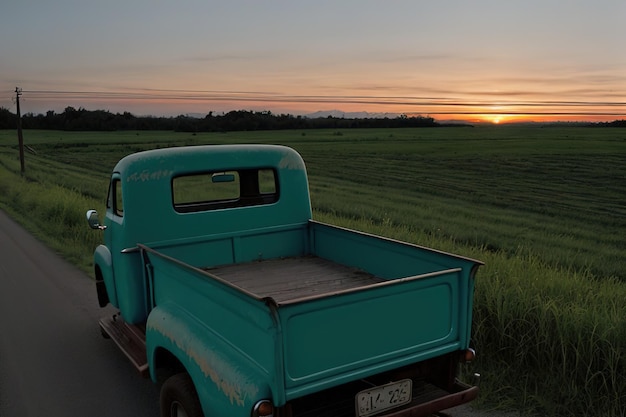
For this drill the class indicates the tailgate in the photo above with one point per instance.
(332, 340)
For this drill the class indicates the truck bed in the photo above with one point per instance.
(344, 304)
(290, 279)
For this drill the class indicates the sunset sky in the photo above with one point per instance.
(489, 60)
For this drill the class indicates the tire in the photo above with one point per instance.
(179, 397)
(101, 290)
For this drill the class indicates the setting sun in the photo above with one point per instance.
(491, 118)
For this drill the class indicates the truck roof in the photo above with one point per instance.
(170, 162)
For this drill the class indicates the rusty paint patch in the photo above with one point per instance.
(232, 383)
(146, 175)
(291, 160)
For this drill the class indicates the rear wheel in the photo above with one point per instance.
(179, 397)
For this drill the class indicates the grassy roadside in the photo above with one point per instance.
(51, 212)
(550, 324)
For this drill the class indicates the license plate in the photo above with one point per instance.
(378, 399)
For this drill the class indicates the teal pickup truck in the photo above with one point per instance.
(228, 294)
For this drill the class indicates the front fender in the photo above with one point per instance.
(227, 382)
(103, 265)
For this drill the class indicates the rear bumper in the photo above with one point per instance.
(432, 400)
(435, 388)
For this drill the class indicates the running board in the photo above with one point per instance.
(130, 338)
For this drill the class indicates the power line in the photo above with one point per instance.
(432, 105)
(249, 95)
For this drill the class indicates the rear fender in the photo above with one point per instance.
(227, 382)
(103, 265)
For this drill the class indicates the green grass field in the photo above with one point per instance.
(544, 207)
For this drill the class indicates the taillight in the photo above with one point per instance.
(263, 408)
(468, 356)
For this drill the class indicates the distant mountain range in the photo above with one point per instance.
(328, 113)
(368, 115)
(350, 115)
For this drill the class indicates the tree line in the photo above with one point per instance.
(238, 120)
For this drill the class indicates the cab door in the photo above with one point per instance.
(114, 222)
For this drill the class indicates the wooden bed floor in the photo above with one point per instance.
(293, 278)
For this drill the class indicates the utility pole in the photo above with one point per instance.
(18, 93)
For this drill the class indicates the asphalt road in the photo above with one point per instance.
(53, 359)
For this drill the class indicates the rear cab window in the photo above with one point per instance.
(224, 189)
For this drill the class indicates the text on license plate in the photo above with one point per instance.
(384, 397)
